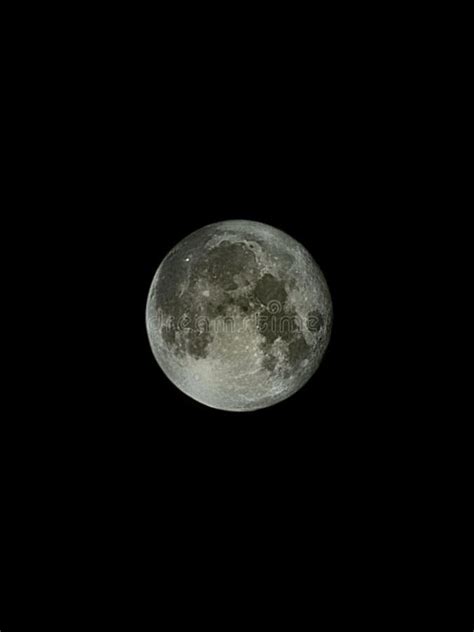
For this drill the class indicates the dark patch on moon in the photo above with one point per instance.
(269, 362)
(225, 261)
(270, 289)
(198, 342)
(249, 237)
(299, 350)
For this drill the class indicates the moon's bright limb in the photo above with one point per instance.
(239, 315)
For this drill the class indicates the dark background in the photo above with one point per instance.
(112, 476)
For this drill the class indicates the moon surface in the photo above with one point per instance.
(239, 315)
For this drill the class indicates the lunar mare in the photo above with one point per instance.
(239, 315)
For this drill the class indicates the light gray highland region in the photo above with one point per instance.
(239, 315)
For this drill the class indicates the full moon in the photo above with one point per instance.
(239, 315)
